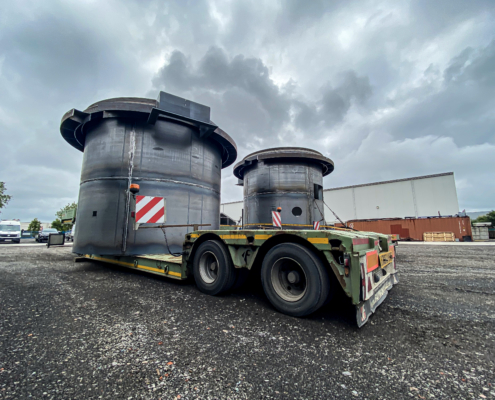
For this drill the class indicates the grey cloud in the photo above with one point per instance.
(247, 103)
(301, 12)
(433, 17)
(462, 108)
(481, 69)
(217, 73)
(335, 102)
(273, 74)
(175, 76)
(51, 62)
(472, 165)
(306, 115)
(243, 98)
(457, 64)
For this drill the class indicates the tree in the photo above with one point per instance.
(59, 214)
(4, 198)
(490, 217)
(34, 225)
(57, 224)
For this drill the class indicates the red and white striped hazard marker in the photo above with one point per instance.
(150, 209)
(316, 225)
(276, 219)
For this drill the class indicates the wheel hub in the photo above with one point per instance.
(288, 279)
(293, 277)
(208, 267)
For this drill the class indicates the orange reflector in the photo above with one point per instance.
(372, 260)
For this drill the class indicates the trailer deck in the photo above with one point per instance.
(160, 264)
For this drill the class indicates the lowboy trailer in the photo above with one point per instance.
(300, 269)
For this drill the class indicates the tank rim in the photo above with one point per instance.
(284, 153)
(116, 101)
(71, 126)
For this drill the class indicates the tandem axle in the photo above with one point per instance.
(300, 269)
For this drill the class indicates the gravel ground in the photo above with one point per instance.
(92, 330)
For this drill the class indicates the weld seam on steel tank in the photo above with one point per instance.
(137, 178)
(270, 193)
(286, 177)
(177, 153)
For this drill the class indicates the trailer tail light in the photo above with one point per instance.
(347, 264)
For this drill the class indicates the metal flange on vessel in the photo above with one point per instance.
(170, 148)
(290, 178)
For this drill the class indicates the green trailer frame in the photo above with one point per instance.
(368, 276)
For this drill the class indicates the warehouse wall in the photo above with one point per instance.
(415, 197)
(24, 225)
(233, 210)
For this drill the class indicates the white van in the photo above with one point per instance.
(10, 231)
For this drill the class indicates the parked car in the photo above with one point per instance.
(43, 235)
(10, 231)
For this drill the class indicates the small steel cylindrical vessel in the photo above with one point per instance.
(169, 147)
(286, 177)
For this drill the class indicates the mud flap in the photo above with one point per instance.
(365, 309)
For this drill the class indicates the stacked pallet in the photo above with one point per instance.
(439, 237)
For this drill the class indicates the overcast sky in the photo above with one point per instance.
(386, 89)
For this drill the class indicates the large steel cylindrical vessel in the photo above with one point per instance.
(170, 157)
(286, 177)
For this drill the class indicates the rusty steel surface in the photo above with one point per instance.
(414, 228)
(286, 177)
(178, 156)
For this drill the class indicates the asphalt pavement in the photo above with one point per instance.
(95, 331)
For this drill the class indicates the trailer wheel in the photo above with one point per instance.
(212, 268)
(294, 279)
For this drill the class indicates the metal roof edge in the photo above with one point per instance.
(233, 202)
(392, 181)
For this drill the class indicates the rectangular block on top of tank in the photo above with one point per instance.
(186, 108)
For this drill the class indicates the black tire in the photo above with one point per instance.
(213, 254)
(310, 285)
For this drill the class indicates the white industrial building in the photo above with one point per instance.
(422, 196)
(45, 225)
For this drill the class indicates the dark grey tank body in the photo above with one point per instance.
(290, 178)
(167, 159)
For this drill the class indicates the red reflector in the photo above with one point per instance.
(133, 214)
(346, 262)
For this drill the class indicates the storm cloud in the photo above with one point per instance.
(386, 89)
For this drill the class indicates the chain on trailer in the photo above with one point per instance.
(168, 248)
